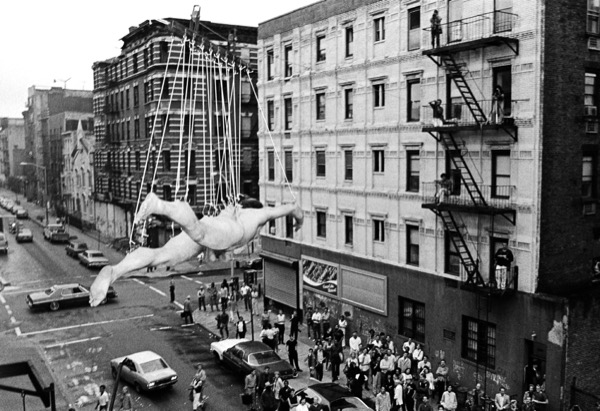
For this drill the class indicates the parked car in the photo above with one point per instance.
(243, 356)
(24, 234)
(145, 370)
(333, 397)
(14, 227)
(3, 244)
(62, 295)
(74, 248)
(56, 233)
(22, 214)
(92, 259)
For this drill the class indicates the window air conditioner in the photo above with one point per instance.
(590, 111)
(593, 43)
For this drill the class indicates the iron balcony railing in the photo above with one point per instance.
(496, 196)
(459, 114)
(492, 284)
(481, 26)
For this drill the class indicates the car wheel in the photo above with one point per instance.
(138, 388)
(54, 305)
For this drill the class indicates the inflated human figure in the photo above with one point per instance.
(230, 230)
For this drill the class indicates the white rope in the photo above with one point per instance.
(262, 113)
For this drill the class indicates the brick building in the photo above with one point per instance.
(346, 88)
(143, 100)
(50, 112)
(12, 142)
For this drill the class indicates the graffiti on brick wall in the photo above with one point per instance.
(365, 321)
(311, 299)
(458, 368)
(496, 377)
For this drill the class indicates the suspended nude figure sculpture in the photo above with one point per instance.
(233, 228)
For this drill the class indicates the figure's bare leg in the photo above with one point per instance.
(178, 249)
(261, 216)
(178, 211)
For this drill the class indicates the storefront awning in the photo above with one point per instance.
(292, 262)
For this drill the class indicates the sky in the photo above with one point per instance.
(47, 43)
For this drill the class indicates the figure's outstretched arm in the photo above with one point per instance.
(178, 249)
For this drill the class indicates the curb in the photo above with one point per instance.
(3, 283)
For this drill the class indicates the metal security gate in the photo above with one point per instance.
(281, 283)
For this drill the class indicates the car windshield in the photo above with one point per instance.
(96, 255)
(153, 365)
(261, 358)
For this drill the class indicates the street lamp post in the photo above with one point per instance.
(45, 185)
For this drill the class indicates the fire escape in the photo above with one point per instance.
(477, 32)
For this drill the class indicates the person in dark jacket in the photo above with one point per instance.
(267, 398)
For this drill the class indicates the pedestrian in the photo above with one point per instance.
(497, 112)
(316, 322)
(337, 357)
(398, 395)
(342, 325)
(438, 112)
(444, 190)
(294, 325)
(436, 29)
(250, 387)
(501, 400)
(264, 378)
(425, 405)
(233, 304)
(449, 402)
(382, 401)
(254, 295)
(197, 387)
(292, 348)
(277, 385)
(125, 400)
(245, 292)
(319, 361)
(356, 384)
(311, 363)
(326, 322)
(417, 356)
(103, 399)
(172, 290)
(355, 343)
(285, 396)
(364, 363)
(265, 318)
(223, 324)
(212, 297)
(308, 318)
(224, 295)
(280, 324)
(504, 258)
(187, 310)
(409, 397)
(201, 298)
(441, 377)
(240, 328)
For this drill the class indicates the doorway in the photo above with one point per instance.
(503, 78)
(534, 370)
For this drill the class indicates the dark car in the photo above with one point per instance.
(333, 396)
(243, 356)
(64, 295)
(75, 247)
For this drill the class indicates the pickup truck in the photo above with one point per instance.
(55, 233)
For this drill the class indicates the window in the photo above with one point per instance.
(348, 103)
(350, 41)
(412, 244)
(411, 319)
(289, 166)
(320, 163)
(271, 115)
(501, 174)
(246, 126)
(379, 28)
(270, 166)
(136, 128)
(167, 160)
(146, 58)
(272, 224)
(136, 96)
(414, 100)
(165, 88)
(164, 51)
(593, 17)
(127, 98)
(148, 125)
(348, 165)
(452, 261)
(287, 58)
(288, 112)
(348, 229)
(378, 161)
(589, 97)
(414, 28)
(378, 230)
(412, 171)
(135, 63)
(321, 224)
(138, 162)
(270, 64)
(148, 91)
(321, 106)
(321, 55)
(289, 226)
(479, 341)
(588, 176)
(192, 194)
(167, 194)
(378, 95)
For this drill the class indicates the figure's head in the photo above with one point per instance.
(425, 398)
(502, 390)
(442, 363)
(102, 388)
(354, 334)
(538, 388)
(450, 388)
(443, 175)
(125, 390)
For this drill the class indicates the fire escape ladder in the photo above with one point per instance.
(460, 245)
(461, 84)
(460, 164)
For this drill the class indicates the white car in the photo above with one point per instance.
(24, 234)
(219, 347)
(144, 370)
(93, 259)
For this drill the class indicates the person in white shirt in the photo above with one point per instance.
(364, 363)
(448, 400)
(424, 363)
(377, 342)
(398, 395)
(355, 343)
(417, 355)
(390, 344)
(316, 320)
(409, 345)
(342, 324)
(280, 324)
(404, 362)
(246, 291)
(103, 399)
